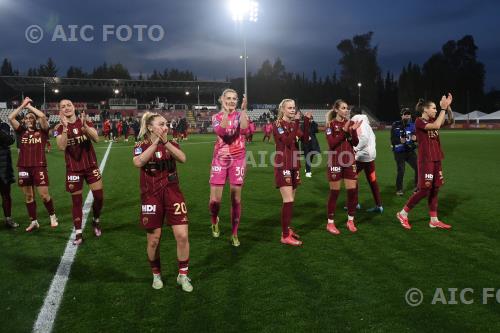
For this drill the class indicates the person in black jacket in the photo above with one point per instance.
(403, 141)
(311, 147)
(6, 172)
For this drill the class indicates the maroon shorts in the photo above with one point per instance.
(369, 168)
(430, 174)
(33, 176)
(287, 177)
(336, 173)
(169, 203)
(74, 179)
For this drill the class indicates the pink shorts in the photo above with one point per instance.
(222, 169)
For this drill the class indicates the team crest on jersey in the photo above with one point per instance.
(158, 154)
(137, 151)
(75, 130)
(216, 123)
(281, 130)
(328, 131)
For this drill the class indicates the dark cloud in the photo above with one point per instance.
(201, 36)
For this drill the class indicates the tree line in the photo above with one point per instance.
(454, 68)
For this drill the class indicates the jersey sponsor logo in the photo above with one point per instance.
(149, 209)
(216, 123)
(287, 173)
(137, 151)
(281, 130)
(73, 178)
(335, 169)
(75, 130)
(216, 168)
(429, 176)
(328, 131)
(23, 174)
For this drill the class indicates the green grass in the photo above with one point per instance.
(351, 282)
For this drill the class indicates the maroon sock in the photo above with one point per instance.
(214, 207)
(433, 202)
(235, 216)
(183, 266)
(376, 192)
(31, 206)
(98, 202)
(352, 201)
(77, 210)
(155, 266)
(286, 217)
(49, 205)
(332, 203)
(416, 197)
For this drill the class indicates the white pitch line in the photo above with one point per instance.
(47, 315)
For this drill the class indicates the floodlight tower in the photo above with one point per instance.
(244, 11)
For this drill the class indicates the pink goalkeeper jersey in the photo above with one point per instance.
(230, 142)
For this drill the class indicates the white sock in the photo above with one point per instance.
(330, 221)
(78, 231)
(350, 218)
(434, 219)
(403, 213)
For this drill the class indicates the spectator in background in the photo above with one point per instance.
(106, 130)
(310, 147)
(268, 131)
(114, 130)
(6, 173)
(403, 141)
(119, 129)
(126, 127)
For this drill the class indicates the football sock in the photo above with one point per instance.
(98, 202)
(183, 266)
(31, 206)
(77, 210)
(286, 217)
(352, 201)
(214, 207)
(235, 216)
(332, 203)
(155, 266)
(49, 205)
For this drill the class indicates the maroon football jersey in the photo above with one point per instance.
(79, 153)
(286, 136)
(341, 149)
(32, 147)
(159, 171)
(429, 145)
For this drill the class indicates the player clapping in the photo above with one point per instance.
(161, 196)
(341, 137)
(287, 132)
(430, 174)
(75, 136)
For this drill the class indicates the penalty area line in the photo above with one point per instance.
(47, 315)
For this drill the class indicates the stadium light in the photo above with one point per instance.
(116, 91)
(244, 10)
(359, 95)
(55, 91)
(187, 93)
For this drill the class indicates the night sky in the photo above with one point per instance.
(201, 36)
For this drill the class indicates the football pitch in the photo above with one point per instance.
(349, 282)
